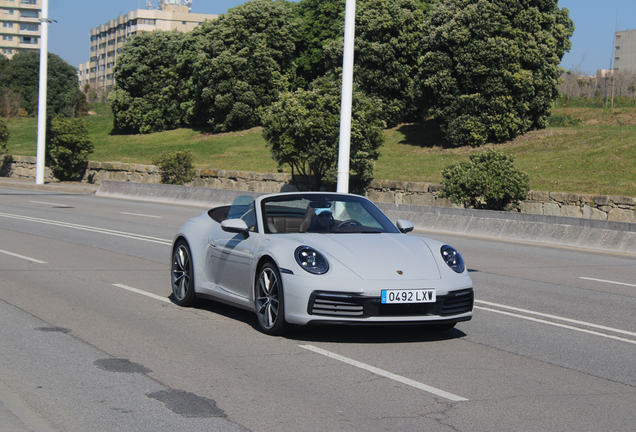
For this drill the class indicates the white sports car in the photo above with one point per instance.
(318, 258)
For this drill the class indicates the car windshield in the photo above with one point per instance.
(323, 213)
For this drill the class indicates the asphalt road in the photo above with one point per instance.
(90, 341)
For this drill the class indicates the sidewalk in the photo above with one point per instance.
(61, 187)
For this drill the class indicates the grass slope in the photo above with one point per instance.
(597, 156)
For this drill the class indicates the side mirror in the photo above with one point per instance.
(404, 226)
(235, 226)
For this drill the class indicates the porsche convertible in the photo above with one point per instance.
(319, 258)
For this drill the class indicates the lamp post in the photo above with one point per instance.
(344, 145)
(44, 52)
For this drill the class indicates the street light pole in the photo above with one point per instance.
(44, 52)
(344, 146)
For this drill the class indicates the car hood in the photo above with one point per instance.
(378, 255)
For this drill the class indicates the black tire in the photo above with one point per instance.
(269, 300)
(182, 275)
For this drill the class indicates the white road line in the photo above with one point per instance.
(595, 333)
(48, 203)
(385, 374)
(23, 257)
(606, 281)
(147, 294)
(142, 215)
(88, 228)
(558, 318)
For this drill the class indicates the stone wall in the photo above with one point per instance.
(599, 207)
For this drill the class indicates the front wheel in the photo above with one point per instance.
(270, 305)
(182, 275)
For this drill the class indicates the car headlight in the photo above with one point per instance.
(453, 259)
(311, 260)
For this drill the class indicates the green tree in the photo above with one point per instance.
(303, 130)
(243, 63)
(21, 74)
(4, 136)
(69, 147)
(148, 85)
(490, 71)
(488, 181)
(321, 23)
(387, 53)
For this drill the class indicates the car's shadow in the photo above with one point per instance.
(378, 334)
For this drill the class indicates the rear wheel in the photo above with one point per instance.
(182, 275)
(270, 305)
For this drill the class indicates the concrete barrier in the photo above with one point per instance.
(555, 230)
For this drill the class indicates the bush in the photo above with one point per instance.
(175, 167)
(69, 147)
(488, 181)
(4, 136)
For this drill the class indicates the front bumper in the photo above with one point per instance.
(359, 302)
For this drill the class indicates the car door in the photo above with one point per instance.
(231, 256)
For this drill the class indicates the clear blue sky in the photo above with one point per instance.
(595, 21)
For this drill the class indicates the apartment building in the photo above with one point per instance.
(19, 26)
(625, 51)
(107, 40)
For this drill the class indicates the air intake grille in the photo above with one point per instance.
(323, 305)
(458, 303)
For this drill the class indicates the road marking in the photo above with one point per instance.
(51, 204)
(558, 318)
(89, 228)
(142, 215)
(606, 281)
(23, 257)
(385, 374)
(145, 293)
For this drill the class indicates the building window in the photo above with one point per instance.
(102, 45)
(94, 48)
(29, 14)
(111, 42)
(7, 38)
(7, 25)
(94, 38)
(120, 50)
(100, 67)
(7, 51)
(618, 47)
(93, 70)
(93, 59)
(29, 27)
(110, 65)
(28, 40)
(8, 11)
(29, 2)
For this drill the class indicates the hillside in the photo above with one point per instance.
(596, 156)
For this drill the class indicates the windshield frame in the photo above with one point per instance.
(319, 201)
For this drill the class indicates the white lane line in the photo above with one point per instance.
(147, 294)
(582, 323)
(385, 374)
(23, 257)
(141, 215)
(606, 281)
(565, 326)
(51, 204)
(88, 228)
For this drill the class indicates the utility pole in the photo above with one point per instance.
(344, 146)
(44, 53)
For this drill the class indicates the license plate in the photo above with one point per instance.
(408, 296)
